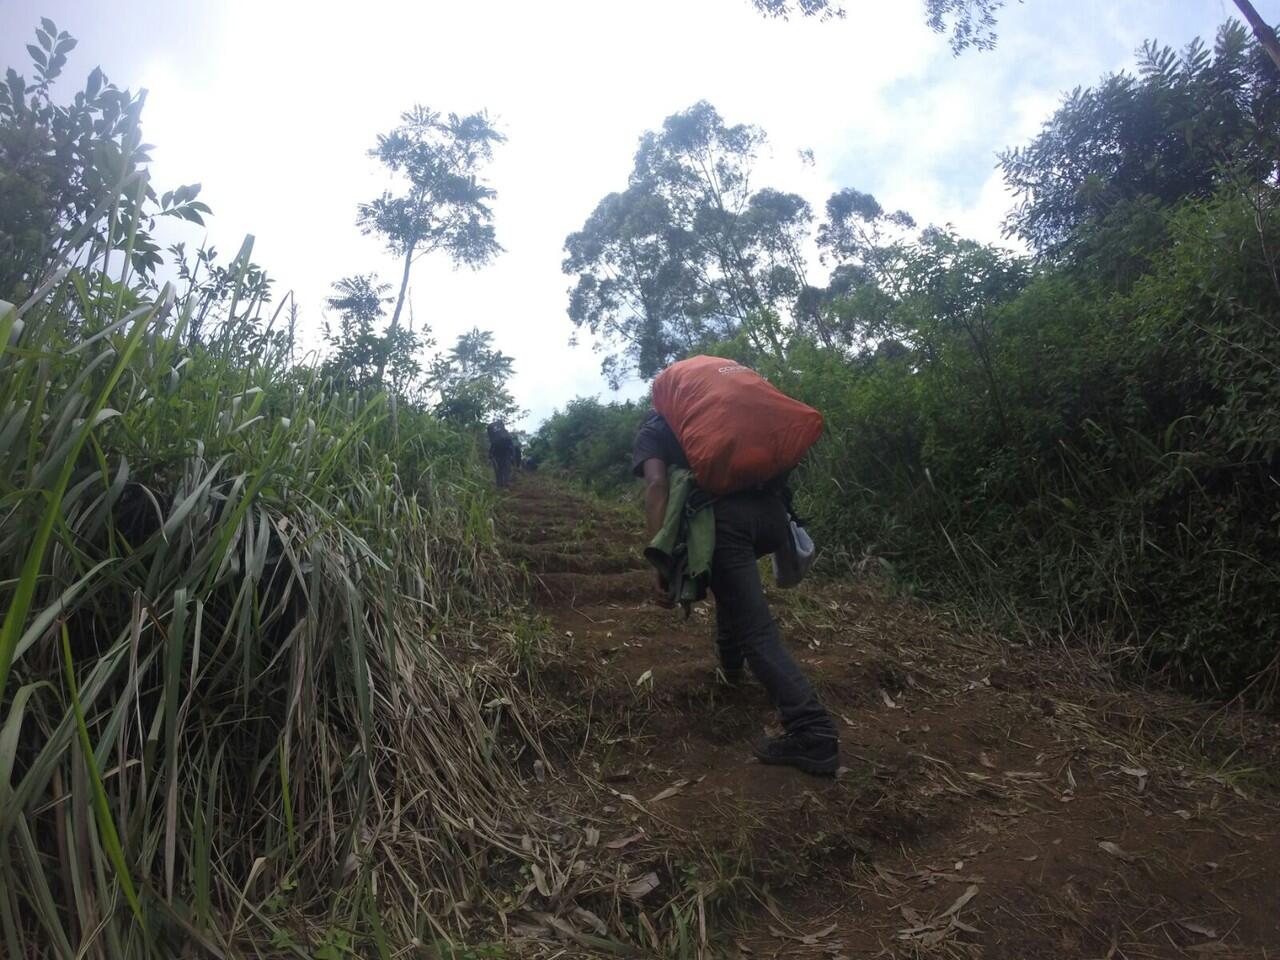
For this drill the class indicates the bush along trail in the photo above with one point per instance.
(997, 800)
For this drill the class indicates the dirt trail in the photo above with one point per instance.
(999, 801)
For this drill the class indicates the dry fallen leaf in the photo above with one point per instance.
(1140, 774)
(961, 900)
(671, 791)
(540, 880)
(534, 932)
(620, 843)
(1034, 856)
(1199, 928)
(888, 877)
(813, 938)
(984, 758)
(1116, 851)
(888, 700)
(540, 770)
(640, 886)
(592, 836)
(591, 920)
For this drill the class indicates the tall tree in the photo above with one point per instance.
(444, 205)
(1186, 125)
(868, 248)
(471, 380)
(858, 232)
(688, 253)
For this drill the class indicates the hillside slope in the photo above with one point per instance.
(997, 801)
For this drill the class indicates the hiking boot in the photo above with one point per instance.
(811, 752)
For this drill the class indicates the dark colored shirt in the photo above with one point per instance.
(656, 440)
(502, 446)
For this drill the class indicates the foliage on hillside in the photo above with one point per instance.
(592, 440)
(1089, 439)
(1106, 460)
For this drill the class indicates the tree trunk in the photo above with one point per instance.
(1262, 30)
(395, 316)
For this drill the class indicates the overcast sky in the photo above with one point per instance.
(273, 105)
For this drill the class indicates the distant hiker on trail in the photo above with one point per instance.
(714, 456)
(503, 453)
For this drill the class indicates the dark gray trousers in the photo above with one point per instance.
(748, 527)
(502, 470)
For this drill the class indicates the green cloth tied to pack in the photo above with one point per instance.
(682, 550)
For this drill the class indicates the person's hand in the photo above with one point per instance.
(662, 595)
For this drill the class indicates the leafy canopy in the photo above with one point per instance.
(688, 253)
(1187, 124)
(443, 205)
(359, 349)
(471, 380)
(68, 175)
(970, 23)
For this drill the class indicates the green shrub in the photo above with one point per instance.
(1123, 488)
(592, 440)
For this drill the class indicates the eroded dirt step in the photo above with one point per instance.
(601, 538)
(1000, 802)
(587, 589)
(569, 557)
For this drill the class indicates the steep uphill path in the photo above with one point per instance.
(1000, 800)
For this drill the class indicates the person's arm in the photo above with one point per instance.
(656, 491)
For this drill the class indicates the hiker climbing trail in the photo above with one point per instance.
(997, 800)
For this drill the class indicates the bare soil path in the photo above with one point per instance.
(998, 800)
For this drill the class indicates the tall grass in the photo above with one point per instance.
(229, 720)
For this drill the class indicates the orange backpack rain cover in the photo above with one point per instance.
(736, 428)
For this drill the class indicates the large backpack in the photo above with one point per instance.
(737, 429)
